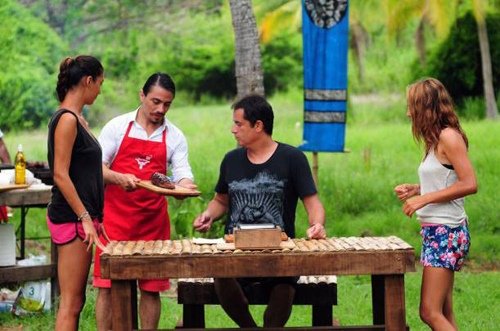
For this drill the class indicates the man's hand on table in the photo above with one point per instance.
(203, 222)
(316, 231)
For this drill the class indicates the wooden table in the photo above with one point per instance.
(386, 259)
(34, 196)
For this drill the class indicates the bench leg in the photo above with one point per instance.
(193, 316)
(322, 315)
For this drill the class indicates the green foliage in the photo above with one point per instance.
(29, 57)
(473, 108)
(457, 61)
(194, 42)
(282, 63)
(121, 60)
(386, 63)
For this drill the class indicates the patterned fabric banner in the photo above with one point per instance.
(325, 29)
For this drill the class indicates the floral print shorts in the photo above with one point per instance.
(444, 246)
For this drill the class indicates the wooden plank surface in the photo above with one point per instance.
(26, 273)
(187, 246)
(179, 191)
(35, 195)
(257, 265)
(8, 187)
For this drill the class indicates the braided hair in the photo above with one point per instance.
(72, 70)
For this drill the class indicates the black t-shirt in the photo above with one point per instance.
(85, 171)
(267, 192)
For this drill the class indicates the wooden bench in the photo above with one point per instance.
(318, 291)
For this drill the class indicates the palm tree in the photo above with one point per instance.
(437, 14)
(440, 15)
(484, 46)
(249, 76)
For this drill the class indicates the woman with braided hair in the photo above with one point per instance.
(75, 211)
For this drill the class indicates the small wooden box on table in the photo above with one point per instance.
(386, 259)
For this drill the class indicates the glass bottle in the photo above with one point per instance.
(20, 166)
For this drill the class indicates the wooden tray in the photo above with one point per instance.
(9, 187)
(179, 191)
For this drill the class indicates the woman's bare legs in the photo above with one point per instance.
(436, 308)
(73, 266)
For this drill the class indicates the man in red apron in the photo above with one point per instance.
(135, 145)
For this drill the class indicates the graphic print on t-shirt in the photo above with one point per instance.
(257, 200)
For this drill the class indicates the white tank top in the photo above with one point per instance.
(434, 177)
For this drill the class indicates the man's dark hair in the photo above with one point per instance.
(161, 79)
(256, 108)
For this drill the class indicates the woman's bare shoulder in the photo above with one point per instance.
(450, 139)
(450, 135)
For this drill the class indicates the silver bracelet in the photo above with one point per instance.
(83, 215)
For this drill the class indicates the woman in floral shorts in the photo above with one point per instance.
(444, 247)
(446, 177)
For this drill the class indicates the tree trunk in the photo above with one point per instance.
(420, 42)
(249, 76)
(489, 92)
(357, 44)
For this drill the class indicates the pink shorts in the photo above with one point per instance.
(65, 233)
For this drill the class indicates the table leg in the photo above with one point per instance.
(24, 212)
(124, 305)
(395, 310)
(378, 299)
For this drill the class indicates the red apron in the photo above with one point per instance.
(137, 215)
(140, 214)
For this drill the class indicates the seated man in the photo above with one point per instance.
(261, 183)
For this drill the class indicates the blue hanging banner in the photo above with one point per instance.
(325, 30)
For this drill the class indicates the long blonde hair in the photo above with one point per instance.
(431, 110)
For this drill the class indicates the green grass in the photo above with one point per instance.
(476, 296)
(356, 189)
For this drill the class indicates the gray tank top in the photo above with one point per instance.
(434, 177)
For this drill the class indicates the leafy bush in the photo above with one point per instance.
(473, 108)
(282, 63)
(457, 61)
(29, 58)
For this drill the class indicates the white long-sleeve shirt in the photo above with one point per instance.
(113, 132)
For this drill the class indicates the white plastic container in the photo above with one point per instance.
(7, 245)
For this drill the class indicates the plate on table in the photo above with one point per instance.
(179, 191)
